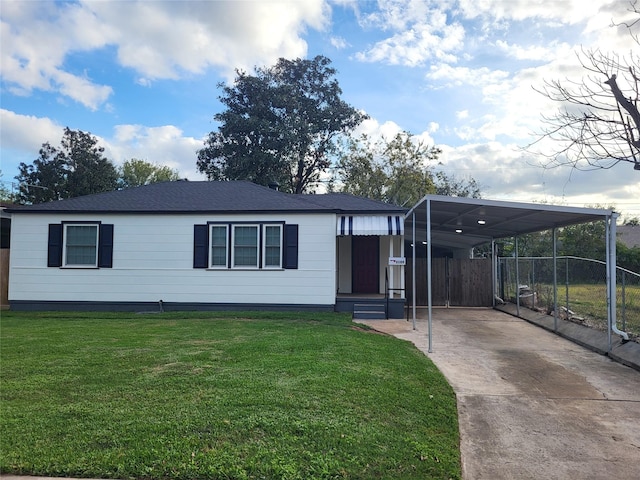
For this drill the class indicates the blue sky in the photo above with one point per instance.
(142, 77)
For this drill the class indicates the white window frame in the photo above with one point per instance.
(226, 245)
(65, 238)
(234, 226)
(264, 245)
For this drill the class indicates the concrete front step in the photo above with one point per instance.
(369, 311)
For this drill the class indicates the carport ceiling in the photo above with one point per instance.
(501, 219)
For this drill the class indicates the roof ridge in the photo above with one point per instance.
(233, 196)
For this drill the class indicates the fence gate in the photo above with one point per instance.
(456, 282)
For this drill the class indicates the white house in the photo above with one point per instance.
(207, 245)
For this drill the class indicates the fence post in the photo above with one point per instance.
(555, 279)
(624, 302)
(517, 279)
(567, 285)
(533, 283)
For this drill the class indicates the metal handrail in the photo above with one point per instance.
(387, 290)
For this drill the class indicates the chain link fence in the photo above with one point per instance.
(581, 290)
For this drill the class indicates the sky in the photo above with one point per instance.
(143, 77)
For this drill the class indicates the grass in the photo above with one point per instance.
(590, 301)
(219, 396)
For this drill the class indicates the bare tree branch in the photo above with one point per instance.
(598, 123)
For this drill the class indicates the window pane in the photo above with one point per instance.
(81, 244)
(245, 246)
(219, 246)
(272, 244)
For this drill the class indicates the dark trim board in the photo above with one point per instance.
(154, 307)
(396, 306)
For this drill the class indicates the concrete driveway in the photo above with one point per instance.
(531, 405)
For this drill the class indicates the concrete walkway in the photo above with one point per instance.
(531, 404)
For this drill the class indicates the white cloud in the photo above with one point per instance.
(36, 37)
(506, 172)
(534, 52)
(27, 132)
(178, 37)
(339, 43)
(22, 136)
(422, 34)
(565, 11)
(174, 39)
(452, 76)
(374, 129)
(164, 145)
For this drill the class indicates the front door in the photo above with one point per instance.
(365, 252)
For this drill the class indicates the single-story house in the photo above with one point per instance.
(207, 245)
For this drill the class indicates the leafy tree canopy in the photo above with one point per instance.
(77, 167)
(280, 125)
(136, 172)
(5, 192)
(398, 171)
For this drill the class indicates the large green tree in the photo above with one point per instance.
(280, 125)
(136, 172)
(399, 171)
(77, 167)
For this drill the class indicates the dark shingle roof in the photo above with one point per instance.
(208, 197)
(629, 235)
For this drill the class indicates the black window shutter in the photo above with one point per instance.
(200, 246)
(54, 249)
(105, 246)
(290, 246)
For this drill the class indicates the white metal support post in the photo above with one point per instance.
(611, 277)
(413, 268)
(390, 292)
(517, 279)
(555, 278)
(402, 270)
(429, 301)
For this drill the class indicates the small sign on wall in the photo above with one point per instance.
(397, 261)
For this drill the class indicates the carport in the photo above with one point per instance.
(465, 223)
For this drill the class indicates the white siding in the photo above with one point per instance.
(153, 260)
(344, 264)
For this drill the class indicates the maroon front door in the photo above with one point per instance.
(365, 256)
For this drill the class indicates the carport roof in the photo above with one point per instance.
(501, 219)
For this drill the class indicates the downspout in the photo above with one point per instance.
(610, 229)
(413, 268)
(494, 274)
(429, 297)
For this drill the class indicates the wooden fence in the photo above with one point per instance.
(457, 282)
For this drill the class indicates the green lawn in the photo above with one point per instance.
(590, 301)
(219, 395)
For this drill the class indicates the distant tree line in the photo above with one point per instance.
(78, 167)
(586, 240)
